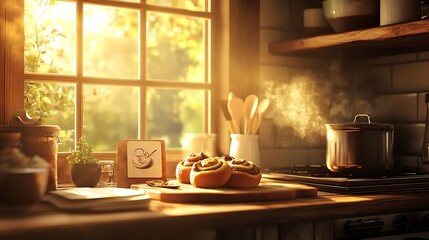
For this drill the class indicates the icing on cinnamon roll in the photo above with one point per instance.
(194, 157)
(245, 174)
(183, 168)
(227, 157)
(244, 166)
(210, 173)
(207, 164)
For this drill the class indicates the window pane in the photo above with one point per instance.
(54, 103)
(110, 113)
(172, 113)
(111, 46)
(50, 37)
(175, 48)
(194, 5)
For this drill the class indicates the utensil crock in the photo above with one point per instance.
(246, 147)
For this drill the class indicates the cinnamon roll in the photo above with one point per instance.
(183, 168)
(227, 157)
(244, 174)
(210, 173)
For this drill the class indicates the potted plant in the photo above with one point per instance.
(85, 170)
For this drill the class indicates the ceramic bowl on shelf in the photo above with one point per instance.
(23, 187)
(23, 179)
(349, 15)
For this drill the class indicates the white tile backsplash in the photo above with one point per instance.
(274, 14)
(316, 156)
(274, 73)
(272, 158)
(408, 139)
(268, 36)
(391, 59)
(377, 78)
(410, 77)
(398, 84)
(387, 108)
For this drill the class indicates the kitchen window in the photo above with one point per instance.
(121, 69)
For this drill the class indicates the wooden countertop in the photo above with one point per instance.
(162, 218)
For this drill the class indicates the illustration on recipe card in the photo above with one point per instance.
(144, 159)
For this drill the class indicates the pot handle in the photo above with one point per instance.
(362, 115)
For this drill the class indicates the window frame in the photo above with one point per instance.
(208, 86)
(231, 39)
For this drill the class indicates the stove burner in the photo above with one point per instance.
(321, 177)
(310, 170)
(323, 171)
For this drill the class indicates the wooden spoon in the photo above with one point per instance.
(227, 115)
(256, 121)
(230, 96)
(235, 108)
(250, 106)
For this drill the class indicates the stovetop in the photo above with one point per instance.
(321, 177)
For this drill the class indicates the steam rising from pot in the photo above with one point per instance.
(295, 104)
(308, 101)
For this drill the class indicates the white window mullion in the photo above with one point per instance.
(79, 69)
(143, 88)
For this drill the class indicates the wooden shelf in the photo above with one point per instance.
(384, 40)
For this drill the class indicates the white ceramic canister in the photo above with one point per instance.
(199, 142)
(246, 147)
(399, 11)
(315, 22)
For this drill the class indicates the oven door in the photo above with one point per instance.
(408, 236)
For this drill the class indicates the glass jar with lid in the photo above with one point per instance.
(107, 177)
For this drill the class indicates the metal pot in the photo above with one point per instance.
(360, 148)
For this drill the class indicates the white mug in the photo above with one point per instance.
(314, 17)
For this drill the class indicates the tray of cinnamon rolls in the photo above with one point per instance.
(204, 179)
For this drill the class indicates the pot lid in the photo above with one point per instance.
(361, 122)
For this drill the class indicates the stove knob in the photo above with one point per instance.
(425, 220)
(400, 222)
(363, 227)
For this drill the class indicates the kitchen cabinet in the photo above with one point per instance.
(383, 40)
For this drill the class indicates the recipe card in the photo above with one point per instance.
(144, 159)
(139, 161)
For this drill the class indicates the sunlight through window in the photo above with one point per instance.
(122, 69)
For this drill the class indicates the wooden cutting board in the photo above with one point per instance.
(266, 191)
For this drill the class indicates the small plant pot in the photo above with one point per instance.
(85, 175)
